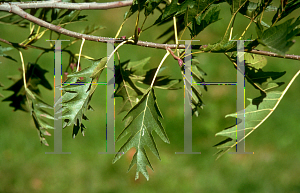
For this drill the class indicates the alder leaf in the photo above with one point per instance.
(76, 97)
(143, 119)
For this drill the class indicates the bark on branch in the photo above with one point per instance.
(64, 5)
(16, 8)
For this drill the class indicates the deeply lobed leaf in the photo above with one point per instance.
(77, 96)
(144, 119)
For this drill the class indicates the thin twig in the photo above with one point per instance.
(65, 5)
(17, 10)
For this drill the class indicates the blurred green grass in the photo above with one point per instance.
(274, 167)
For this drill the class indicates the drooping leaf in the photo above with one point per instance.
(285, 8)
(77, 95)
(279, 38)
(35, 76)
(39, 113)
(256, 113)
(196, 94)
(144, 119)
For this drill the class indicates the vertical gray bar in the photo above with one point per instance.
(57, 96)
(110, 106)
(240, 103)
(188, 79)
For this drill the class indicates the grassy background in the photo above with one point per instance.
(274, 167)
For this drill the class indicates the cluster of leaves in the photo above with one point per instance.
(134, 82)
(35, 75)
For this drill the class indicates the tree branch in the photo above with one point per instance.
(64, 5)
(17, 10)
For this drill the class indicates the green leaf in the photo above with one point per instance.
(174, 8)
(252, 9)
(151, 5)
(127, 75)
(35, 76)
(76, 97)
(222, 46)
(251, 60)
(254, 74)
(39, 113)
(198, 76)
(161, 82)
(204, 20)
(256, 113)
(144, 118)
(261, 80)
(285, 8)
(279, 38)
(136, 5)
